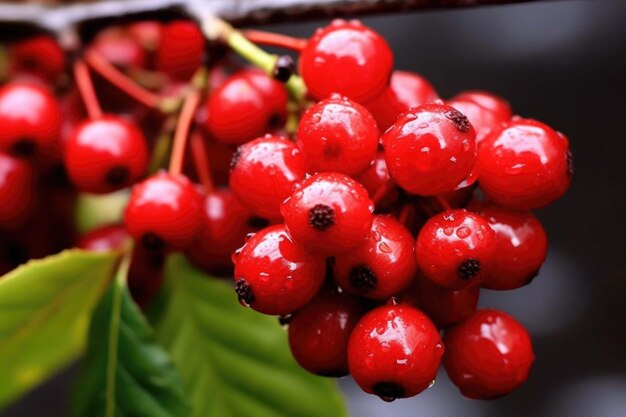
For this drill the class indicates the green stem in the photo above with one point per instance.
(162, 146)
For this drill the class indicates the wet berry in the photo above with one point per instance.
(484, 110)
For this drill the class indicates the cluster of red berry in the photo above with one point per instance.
(366, 243)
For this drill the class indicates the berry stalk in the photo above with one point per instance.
(182, 132)
(261, 37)
(201, 161)
(87, 92)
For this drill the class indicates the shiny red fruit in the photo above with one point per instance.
(105, 154)
(319, 333)
(525, 165)
(275, 276)
(406, 90)
(103, 239)
(456, 249)
(346, 58)
(120, 48)
(338, 135)
(383, 265)
(328, 213)
(394, 352)
(488, 355)
(263, 173)
(181, 49)
(522, 246)
(378, 183)
(164, 212)
(430, 149)
(40, 56)
(249, 104)
(31, 120)
(17, 191)
(484, 110)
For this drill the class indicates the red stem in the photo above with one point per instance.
(121, 80)
(87, 92)
(201, 161)
(275, 39)
(406, 211)
(443, 202)
(182, 132)
(381, 193)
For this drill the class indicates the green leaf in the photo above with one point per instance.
(125, 373)
(45, 308)
(93, 210)
(234, 362)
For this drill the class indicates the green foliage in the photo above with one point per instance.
(93, 210)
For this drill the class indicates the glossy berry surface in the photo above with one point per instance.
(484, 110)
(275, 276)
(40, 56)
(180, 50)
(394, 352)
(249, 104)
(328, 213)
(17, 191)
(456, 249)
(430, 149)
(319, 333)
(406, 90)
(525, 165)
(263, 173)
(30, 118)
(522, 246)
(163, 212)
(105, 154)
(346, 58)
(103, 239)
(383, 265)
(378, 183)
(339, 135)
(488, 355)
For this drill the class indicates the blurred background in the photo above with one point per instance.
(564, 63)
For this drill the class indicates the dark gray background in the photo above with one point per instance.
(563, 63)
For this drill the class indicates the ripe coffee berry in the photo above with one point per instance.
(522, 246)
(339, 135)
(383, 265)
(40, 56)
(263, 172)
(456, 249)
(406, 90)
(525, 165)
(346, 58)
(275, 276)
(163, 212)
(485, 111)
(394, 352)
(488, 355)
(105, 154)
(319, 333)
(180, 50)
(17, 191)
(246, 106)
(328, 213)
(30, 118)
(430, 149)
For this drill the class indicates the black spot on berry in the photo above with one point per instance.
(24, 147)
(469, 269)
(458, 119)
(244, 292)
(152, 242)
(117, 176)
(283, 69)
(362, 279)
(570, 164)
(321, 217)
(235, 159)
(258, 223)
(388, 391)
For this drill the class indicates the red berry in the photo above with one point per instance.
(145, 274)
(430, 149)
(103, 239)
(328, 213)
(105, 154)
(146, 33)
(376, 180)
(263, 172)
(522, 246)
(118, 47)
(40, 56)
(17, 191)
(319, 333)
(394, 352)
(163, 211)
(346, 58)
(383, 265)
(273, 275)
(525, 165)
(30, 118)
(443, 306)
(406, 90)
(249, 104)
(488, 355)
(181, 50)
(338, 135)
(484, 110)
(456, 249)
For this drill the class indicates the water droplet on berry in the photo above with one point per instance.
(453, 159)
(448, 231)
(376, 235)
(249, 236)
(423, 125)
(383, 247)
(463, 232)
(425, 149)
